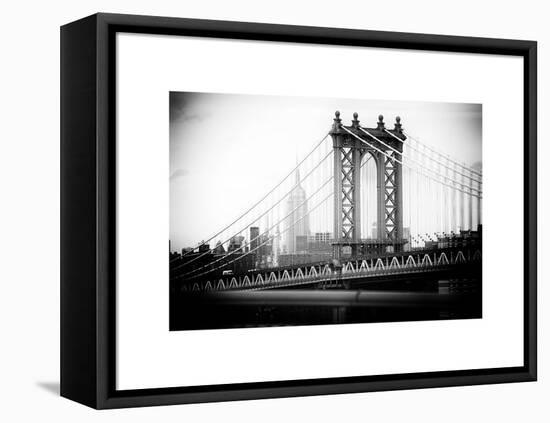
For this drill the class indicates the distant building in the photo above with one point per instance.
(297, 222)
(320, 237)
(266, 245)
(218, 249)
(275, 251)
(254, 239)
(235, 243)
(301, 243)
(320, 242)
(374, 232)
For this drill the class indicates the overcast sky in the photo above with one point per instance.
(227, 150)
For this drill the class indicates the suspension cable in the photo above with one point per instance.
(425, 167)
(404, 164)
(434, 159)
(259, 217)
(259, 201)
(259, 235)
(262, 244)
(469, 169)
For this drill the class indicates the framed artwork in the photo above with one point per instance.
(257, 211)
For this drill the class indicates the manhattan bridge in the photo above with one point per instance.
(366, 205)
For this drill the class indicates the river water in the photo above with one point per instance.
(238, 309)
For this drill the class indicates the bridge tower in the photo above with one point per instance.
(348, 154)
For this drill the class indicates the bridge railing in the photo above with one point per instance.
(352, 269)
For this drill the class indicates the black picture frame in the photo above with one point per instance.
(88, 198)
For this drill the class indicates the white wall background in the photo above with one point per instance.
(29, 228)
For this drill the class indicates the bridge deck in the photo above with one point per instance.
(406, 263)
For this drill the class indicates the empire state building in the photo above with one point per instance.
(297, 223)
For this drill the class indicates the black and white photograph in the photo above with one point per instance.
(291, 211)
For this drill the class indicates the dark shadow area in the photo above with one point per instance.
(401, 301)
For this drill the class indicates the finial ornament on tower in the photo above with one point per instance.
(398, 127)
(380, 122)
(337, 121)
(355, 121)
